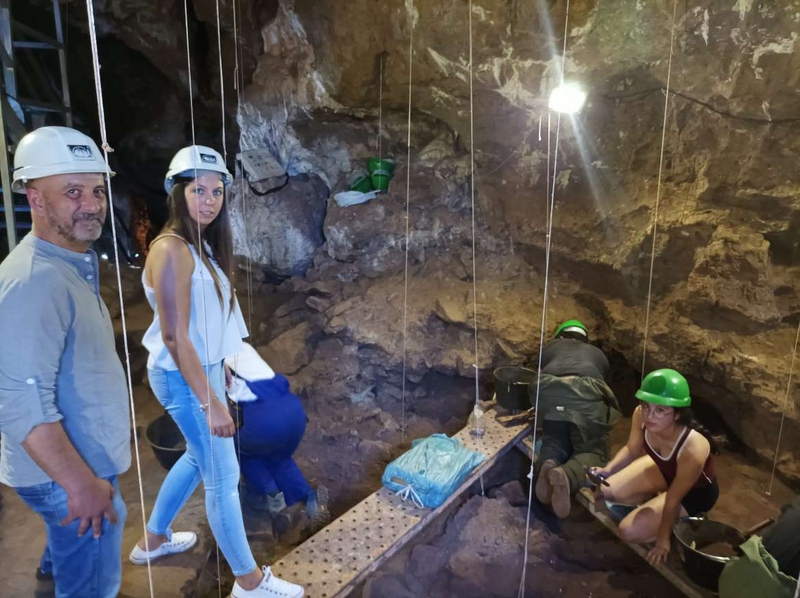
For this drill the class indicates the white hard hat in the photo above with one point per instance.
(55, 150)
(194, 158)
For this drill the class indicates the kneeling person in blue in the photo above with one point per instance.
(273, 424)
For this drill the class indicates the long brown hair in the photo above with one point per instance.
(217, 234)
(685, 417)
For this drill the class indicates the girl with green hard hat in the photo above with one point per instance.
(666, 469)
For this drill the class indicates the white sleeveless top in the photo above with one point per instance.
(215, 332)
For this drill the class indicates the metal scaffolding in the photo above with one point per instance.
(27, 69)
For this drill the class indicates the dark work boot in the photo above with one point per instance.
(45, 585)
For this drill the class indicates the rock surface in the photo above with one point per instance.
(480, 554)
(724, 304)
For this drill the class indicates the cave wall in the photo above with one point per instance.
(724, 307)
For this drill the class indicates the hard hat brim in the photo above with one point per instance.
(648, 397)
(18, 186)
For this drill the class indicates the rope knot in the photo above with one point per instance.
(408, 491)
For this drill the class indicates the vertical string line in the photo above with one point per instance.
(380, 114)
(248, 275)
(548, 246)
(408, 205)
(472, 193)
(783, 414)
(658, 193)
(474, 261)
(221, 85)
(201, 255)
(546, 203)
(239, 84)
(106, 149)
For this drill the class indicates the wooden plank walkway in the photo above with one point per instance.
(672, 570)
(341, 556)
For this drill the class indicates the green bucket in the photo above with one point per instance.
(362, 184)
(374, 164)
(380, 180)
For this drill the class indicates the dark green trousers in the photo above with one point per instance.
(562, 443)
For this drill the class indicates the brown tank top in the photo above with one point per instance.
(668, 466)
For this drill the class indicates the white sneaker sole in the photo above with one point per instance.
(300, 595)
(160, 552)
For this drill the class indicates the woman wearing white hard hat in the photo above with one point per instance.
(197, 323)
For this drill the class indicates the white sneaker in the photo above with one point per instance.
(177, 542)
(270, 587)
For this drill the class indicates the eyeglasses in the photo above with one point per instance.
(655, 411)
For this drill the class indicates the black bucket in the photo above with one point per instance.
(511, 387)
(698, 539)
(166, 440)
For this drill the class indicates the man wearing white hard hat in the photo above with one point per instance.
(63, 395)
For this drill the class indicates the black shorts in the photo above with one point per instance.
(701, 500)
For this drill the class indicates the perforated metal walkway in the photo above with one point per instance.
(339, 557)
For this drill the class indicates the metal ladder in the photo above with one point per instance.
(27, 60)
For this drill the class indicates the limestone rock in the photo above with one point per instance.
(729, 288)
(290, 351)
(281, 231)
(426, 560)
(512, 492)
(375, 450)
(386, 586)
(725, 290)
(490, 552)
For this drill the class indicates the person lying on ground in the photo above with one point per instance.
(578, 409)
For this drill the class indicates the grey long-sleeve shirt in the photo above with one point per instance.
(58, 361)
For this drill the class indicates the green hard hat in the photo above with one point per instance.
(665, 387)
(571, 324)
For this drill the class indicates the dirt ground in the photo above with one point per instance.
(477, 551)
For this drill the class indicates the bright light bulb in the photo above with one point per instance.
(104, 256)
(567, 98)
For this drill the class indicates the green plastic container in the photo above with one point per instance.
(375, 164)
(380, 180)
(362, 184)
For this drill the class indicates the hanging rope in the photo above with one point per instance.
(248, 275)
(410, 8)
(106, 149)
(549, 237)
(239, 84)
(221, 85)
(783, 414)
(472, 193)
(200, 251)
(380, 113)
(547, 204)
(658, 192)
(474, 261)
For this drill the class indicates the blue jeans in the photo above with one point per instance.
(82, 567)
(207, 458)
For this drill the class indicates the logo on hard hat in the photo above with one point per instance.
(208, 158)
(81, 152)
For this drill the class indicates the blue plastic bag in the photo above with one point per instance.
(431, 471)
